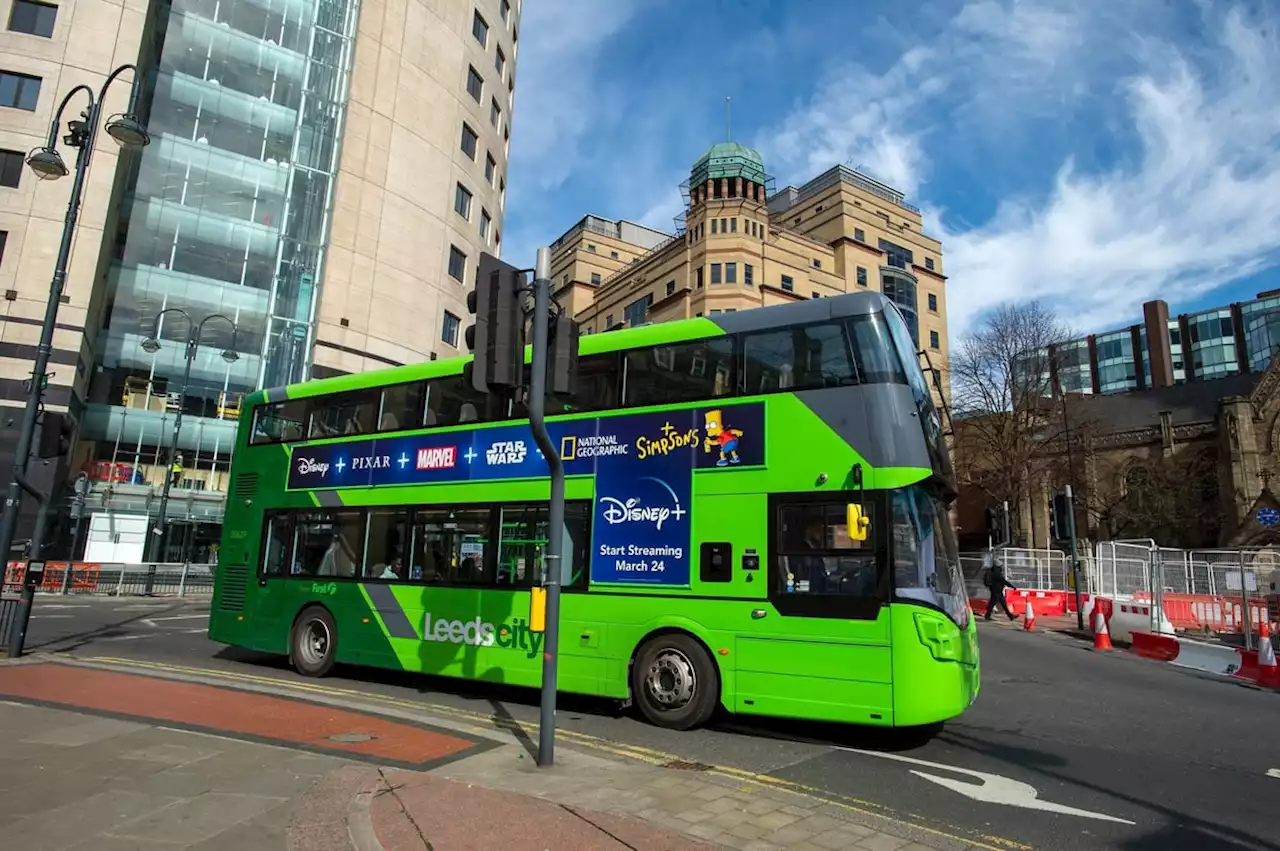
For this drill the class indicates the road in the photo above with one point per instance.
(1142, 755)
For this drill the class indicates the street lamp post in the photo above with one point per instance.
(47, 164)
(152, 345)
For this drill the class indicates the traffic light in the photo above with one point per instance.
(563, 363)
(56, 433)
(998, 524)
(497, 337)
(1060, 517)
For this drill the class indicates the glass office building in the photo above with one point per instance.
(221, 231)
(1238, 338)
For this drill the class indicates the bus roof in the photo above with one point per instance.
(801, 312)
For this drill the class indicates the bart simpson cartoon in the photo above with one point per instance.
(726, 438)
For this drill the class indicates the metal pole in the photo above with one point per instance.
(26, 432)
(551, 573)
(1244, 600)
(161, 524)
(22, 617)
(1075, 559)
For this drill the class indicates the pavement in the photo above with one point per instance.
(1064, 749)
(108, 759)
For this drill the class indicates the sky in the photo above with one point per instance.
(1094, 155)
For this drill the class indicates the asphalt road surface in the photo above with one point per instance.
(1064, 748)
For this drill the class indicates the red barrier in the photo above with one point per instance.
(1249, 669)
(84, 575)
(1045, 602)
(1149, 646)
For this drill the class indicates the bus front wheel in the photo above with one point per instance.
(314, 642)
(675, 682)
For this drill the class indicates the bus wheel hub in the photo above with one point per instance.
(671, 679)
(315, 642)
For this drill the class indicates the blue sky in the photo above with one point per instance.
(1093, 154)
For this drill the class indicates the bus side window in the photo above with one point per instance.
(276, 545)
(343, 414)
(328, 543)
(597, 385)
(385, 552)
(279, 421)
(799, 358)
(681, 372)
(523, 540)
(402, 406)
(451, 400)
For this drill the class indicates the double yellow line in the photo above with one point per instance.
(484, 723)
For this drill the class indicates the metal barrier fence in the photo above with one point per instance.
(119, 580)
(1043, 570)
(1224, 591)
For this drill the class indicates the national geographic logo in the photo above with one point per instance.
(594, 446)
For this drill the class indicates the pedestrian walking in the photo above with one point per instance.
(997, 582)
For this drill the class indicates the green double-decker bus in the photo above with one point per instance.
(756, 519)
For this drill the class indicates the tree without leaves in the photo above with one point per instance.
(1009, 427)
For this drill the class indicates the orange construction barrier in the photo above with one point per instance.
(1268, 672)
(1101, 636)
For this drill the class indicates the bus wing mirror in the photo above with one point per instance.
(856, 522)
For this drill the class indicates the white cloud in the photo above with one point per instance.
(1196, 206)
(1200, 209)
(560, 43)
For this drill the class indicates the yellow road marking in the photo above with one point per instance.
(627, 751)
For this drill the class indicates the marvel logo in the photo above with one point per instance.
(437, 457)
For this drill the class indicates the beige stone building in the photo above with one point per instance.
(319, 184)
(739, 244)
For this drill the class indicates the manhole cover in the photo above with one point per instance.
(685, 765)
(351, 738)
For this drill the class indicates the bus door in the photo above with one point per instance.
(820, 648)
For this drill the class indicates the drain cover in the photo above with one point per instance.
(351, 738)
(685, 765)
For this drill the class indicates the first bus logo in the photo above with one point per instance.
(437, 457)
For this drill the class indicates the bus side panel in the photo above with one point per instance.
(826, 670)
(935, 665)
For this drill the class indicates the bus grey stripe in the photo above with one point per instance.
(384, 600)
(877, 420)
(329, 499)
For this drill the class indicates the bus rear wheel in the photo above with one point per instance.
(675, 682)
(314, 642)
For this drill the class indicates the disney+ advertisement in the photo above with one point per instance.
(643, 466)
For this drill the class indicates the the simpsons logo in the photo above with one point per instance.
(670, 440)
(718, 434)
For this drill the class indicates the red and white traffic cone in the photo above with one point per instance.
(1268, 672)
(1101, 635)
(1029, 622)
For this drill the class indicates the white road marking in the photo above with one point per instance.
(993, 789)
(1275, 772)
(49, 617)
(62, 606)
(151, 622)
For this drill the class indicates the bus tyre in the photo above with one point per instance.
(314, 642)
(675, 681)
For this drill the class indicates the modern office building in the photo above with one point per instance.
(320, 181)
(1161, 351)
(740, 244)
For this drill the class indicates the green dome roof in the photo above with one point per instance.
(728, 159)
